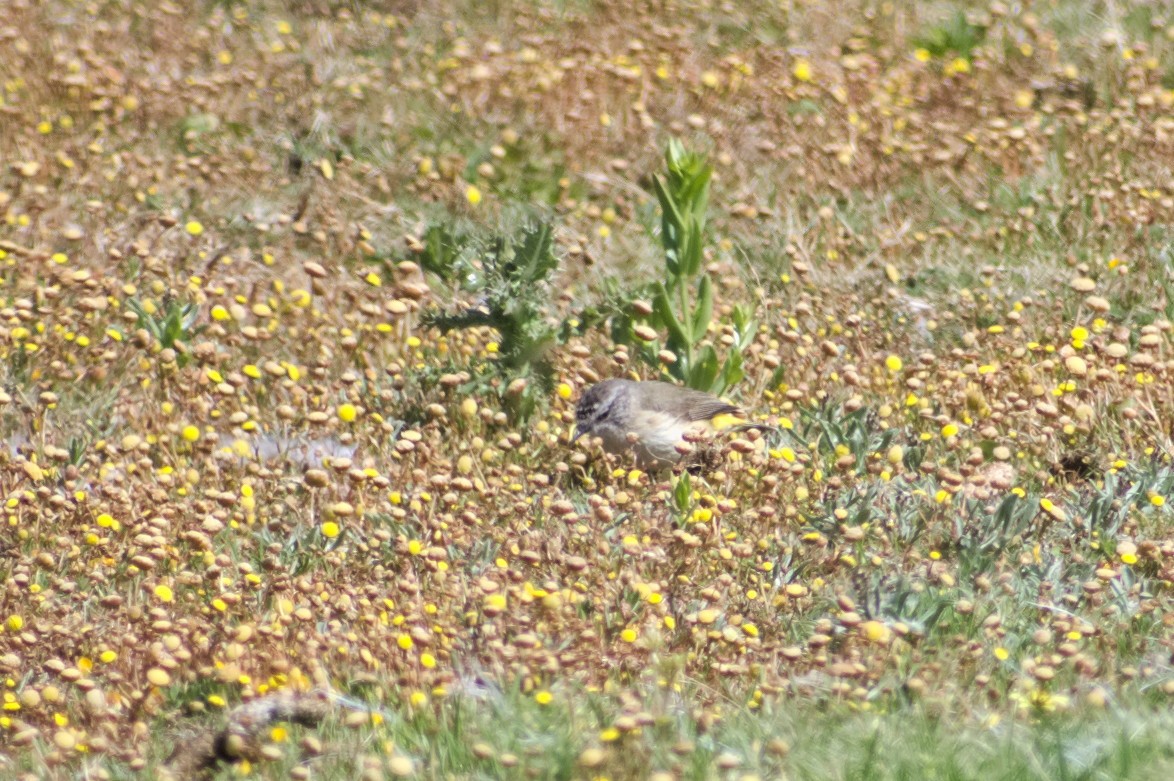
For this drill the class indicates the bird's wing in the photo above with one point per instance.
(708, 409)
(706, 406)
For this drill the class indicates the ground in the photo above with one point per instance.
(298, 299)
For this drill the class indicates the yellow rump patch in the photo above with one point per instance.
(725, 420)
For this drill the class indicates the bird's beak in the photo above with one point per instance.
(578, 433)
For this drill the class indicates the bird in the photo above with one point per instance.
(660, 415)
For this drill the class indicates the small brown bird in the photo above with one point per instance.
(660, 414)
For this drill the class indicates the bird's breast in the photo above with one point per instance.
(659, 435)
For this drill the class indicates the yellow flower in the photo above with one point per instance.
(1050, 507)
(330, 530)
(876, 632)
(893, 363)
(191, 433)
(194, 228)
(347, 413)
(922, 55)
(473, 195)
(801, 70)
(164, 593)
(543, 697)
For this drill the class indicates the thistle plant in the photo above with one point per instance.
(511, 283)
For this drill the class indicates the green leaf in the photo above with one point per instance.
(172, 328)
(695, 195)
(535, 259)
(679, 337)
(670, 213)
(683, 493)
(732, 373)
(703, 372)
(440, 252)
(745, 326)
(191, 313)
(675, 156)
(690, 254)
(703, 314)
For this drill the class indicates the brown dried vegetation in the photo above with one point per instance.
(961, 267)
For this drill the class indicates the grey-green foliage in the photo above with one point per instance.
(171, 324)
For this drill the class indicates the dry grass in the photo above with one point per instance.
(962, 264)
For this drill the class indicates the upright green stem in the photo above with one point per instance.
(686, 316)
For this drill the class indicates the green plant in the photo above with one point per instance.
(77, 447)
(957, 36)
(835, 430)
(983, 536)
(683, 301)
(170, 325)
(441, 251)
(510, 284)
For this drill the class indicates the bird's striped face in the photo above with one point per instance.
(602, 402)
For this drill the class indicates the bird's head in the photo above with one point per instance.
(599, 403)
